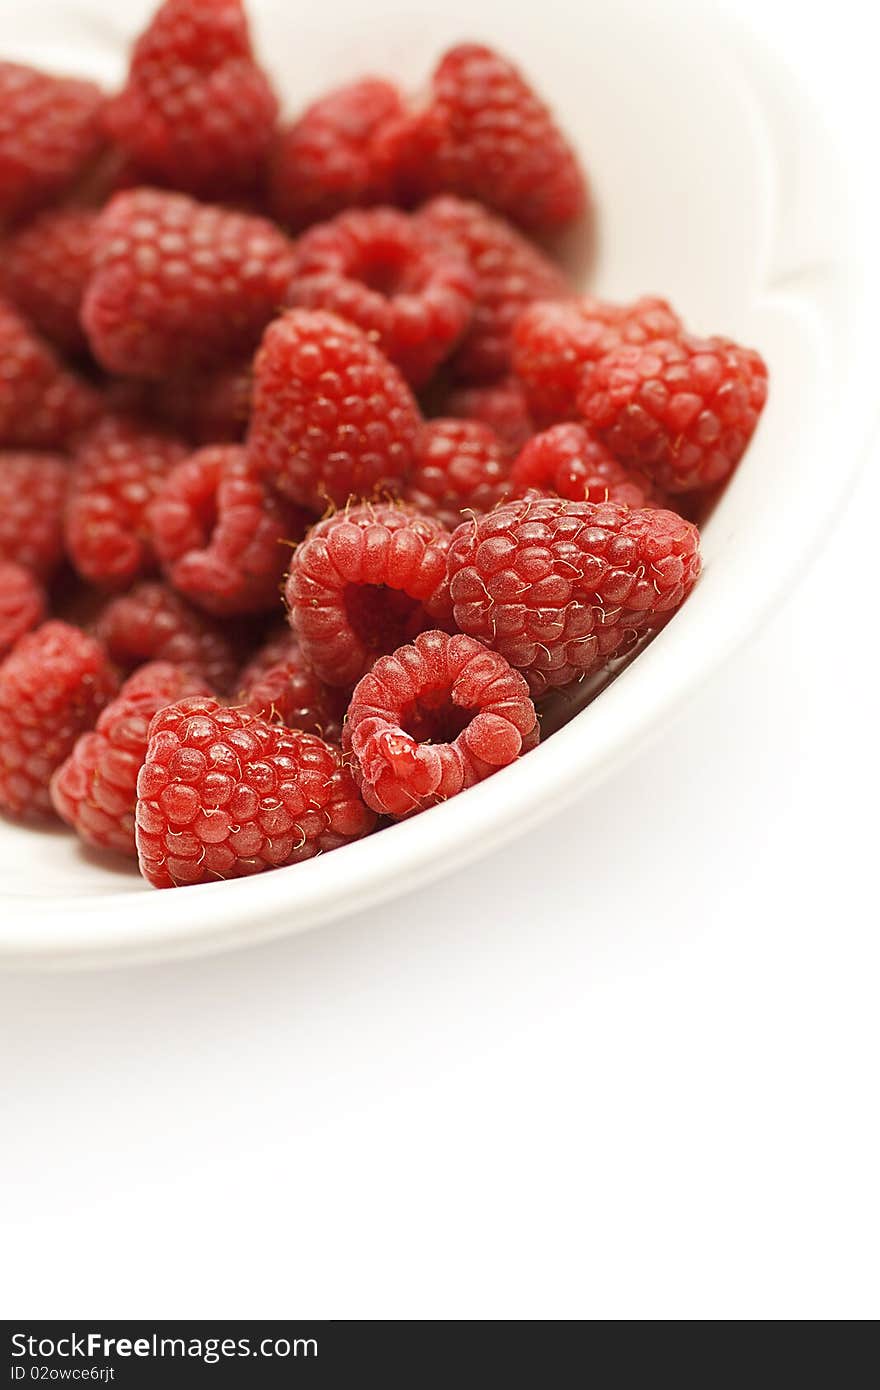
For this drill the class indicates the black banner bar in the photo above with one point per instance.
(92, 1353)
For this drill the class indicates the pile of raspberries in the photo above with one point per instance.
(318, 480)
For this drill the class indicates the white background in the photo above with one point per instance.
(627, 1068)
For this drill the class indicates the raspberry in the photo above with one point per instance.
(332, 418)
(487, 135)
(379, 269)
(53, 686)
(33, 488)
(559, 587)
(325, 162)
(179, 285)
(553, 345)
(44, 273)
(153, 623)
(22, 604)
(501, 405)
(95, 789)
(278, 685)
(49, 131)
(363, 582)
(221, 534)
(120, 465)
(510, 273)
(682, 409)
(223, 793)
(571, 462)
(42, 405)
(459, 466)
(434, 718)
(211, 408)
(197, 112)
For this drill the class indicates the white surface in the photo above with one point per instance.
(626, 1067)
(721, 211)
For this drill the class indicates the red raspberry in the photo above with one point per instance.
(682, 409)
(325, 162)
(42, 405)
(223, 793)
(179, 285)
(501, 405)
(434, 718)
(44, 273)
(53, 686)
(332, 418)
(120, 465)
(459, 466)
(487, 135)
(153, 623)
(379, 269)
(197, 112)
(22, 604)
(510, 273)
(49, 131)
(553, 345)
(220, 533)
(559, 587)
(33, 488)
(211, 408)
(571, 462)
(278, 685)
(363, 582)
(95, 789)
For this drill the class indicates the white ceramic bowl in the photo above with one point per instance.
(716, 187)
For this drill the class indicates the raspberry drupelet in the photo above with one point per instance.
(53, 685)
(153, 623)
(510, 272)
(381, 269)
(223, 794)
(95, 788)
(178, 285)
(279, 686)
(222, 536)
(119, 466)
(44, 271)
(42, 404)
(559, 587)
(571, 462)
(49, 131)
(22, 604)
(197, 113)
(363, 582)
(499, 404)
(555, 343)
(332, 417)
(325, 161)
(459, 466)
(486, 134)
(33, 488)
(434, 718)
(681, 409)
